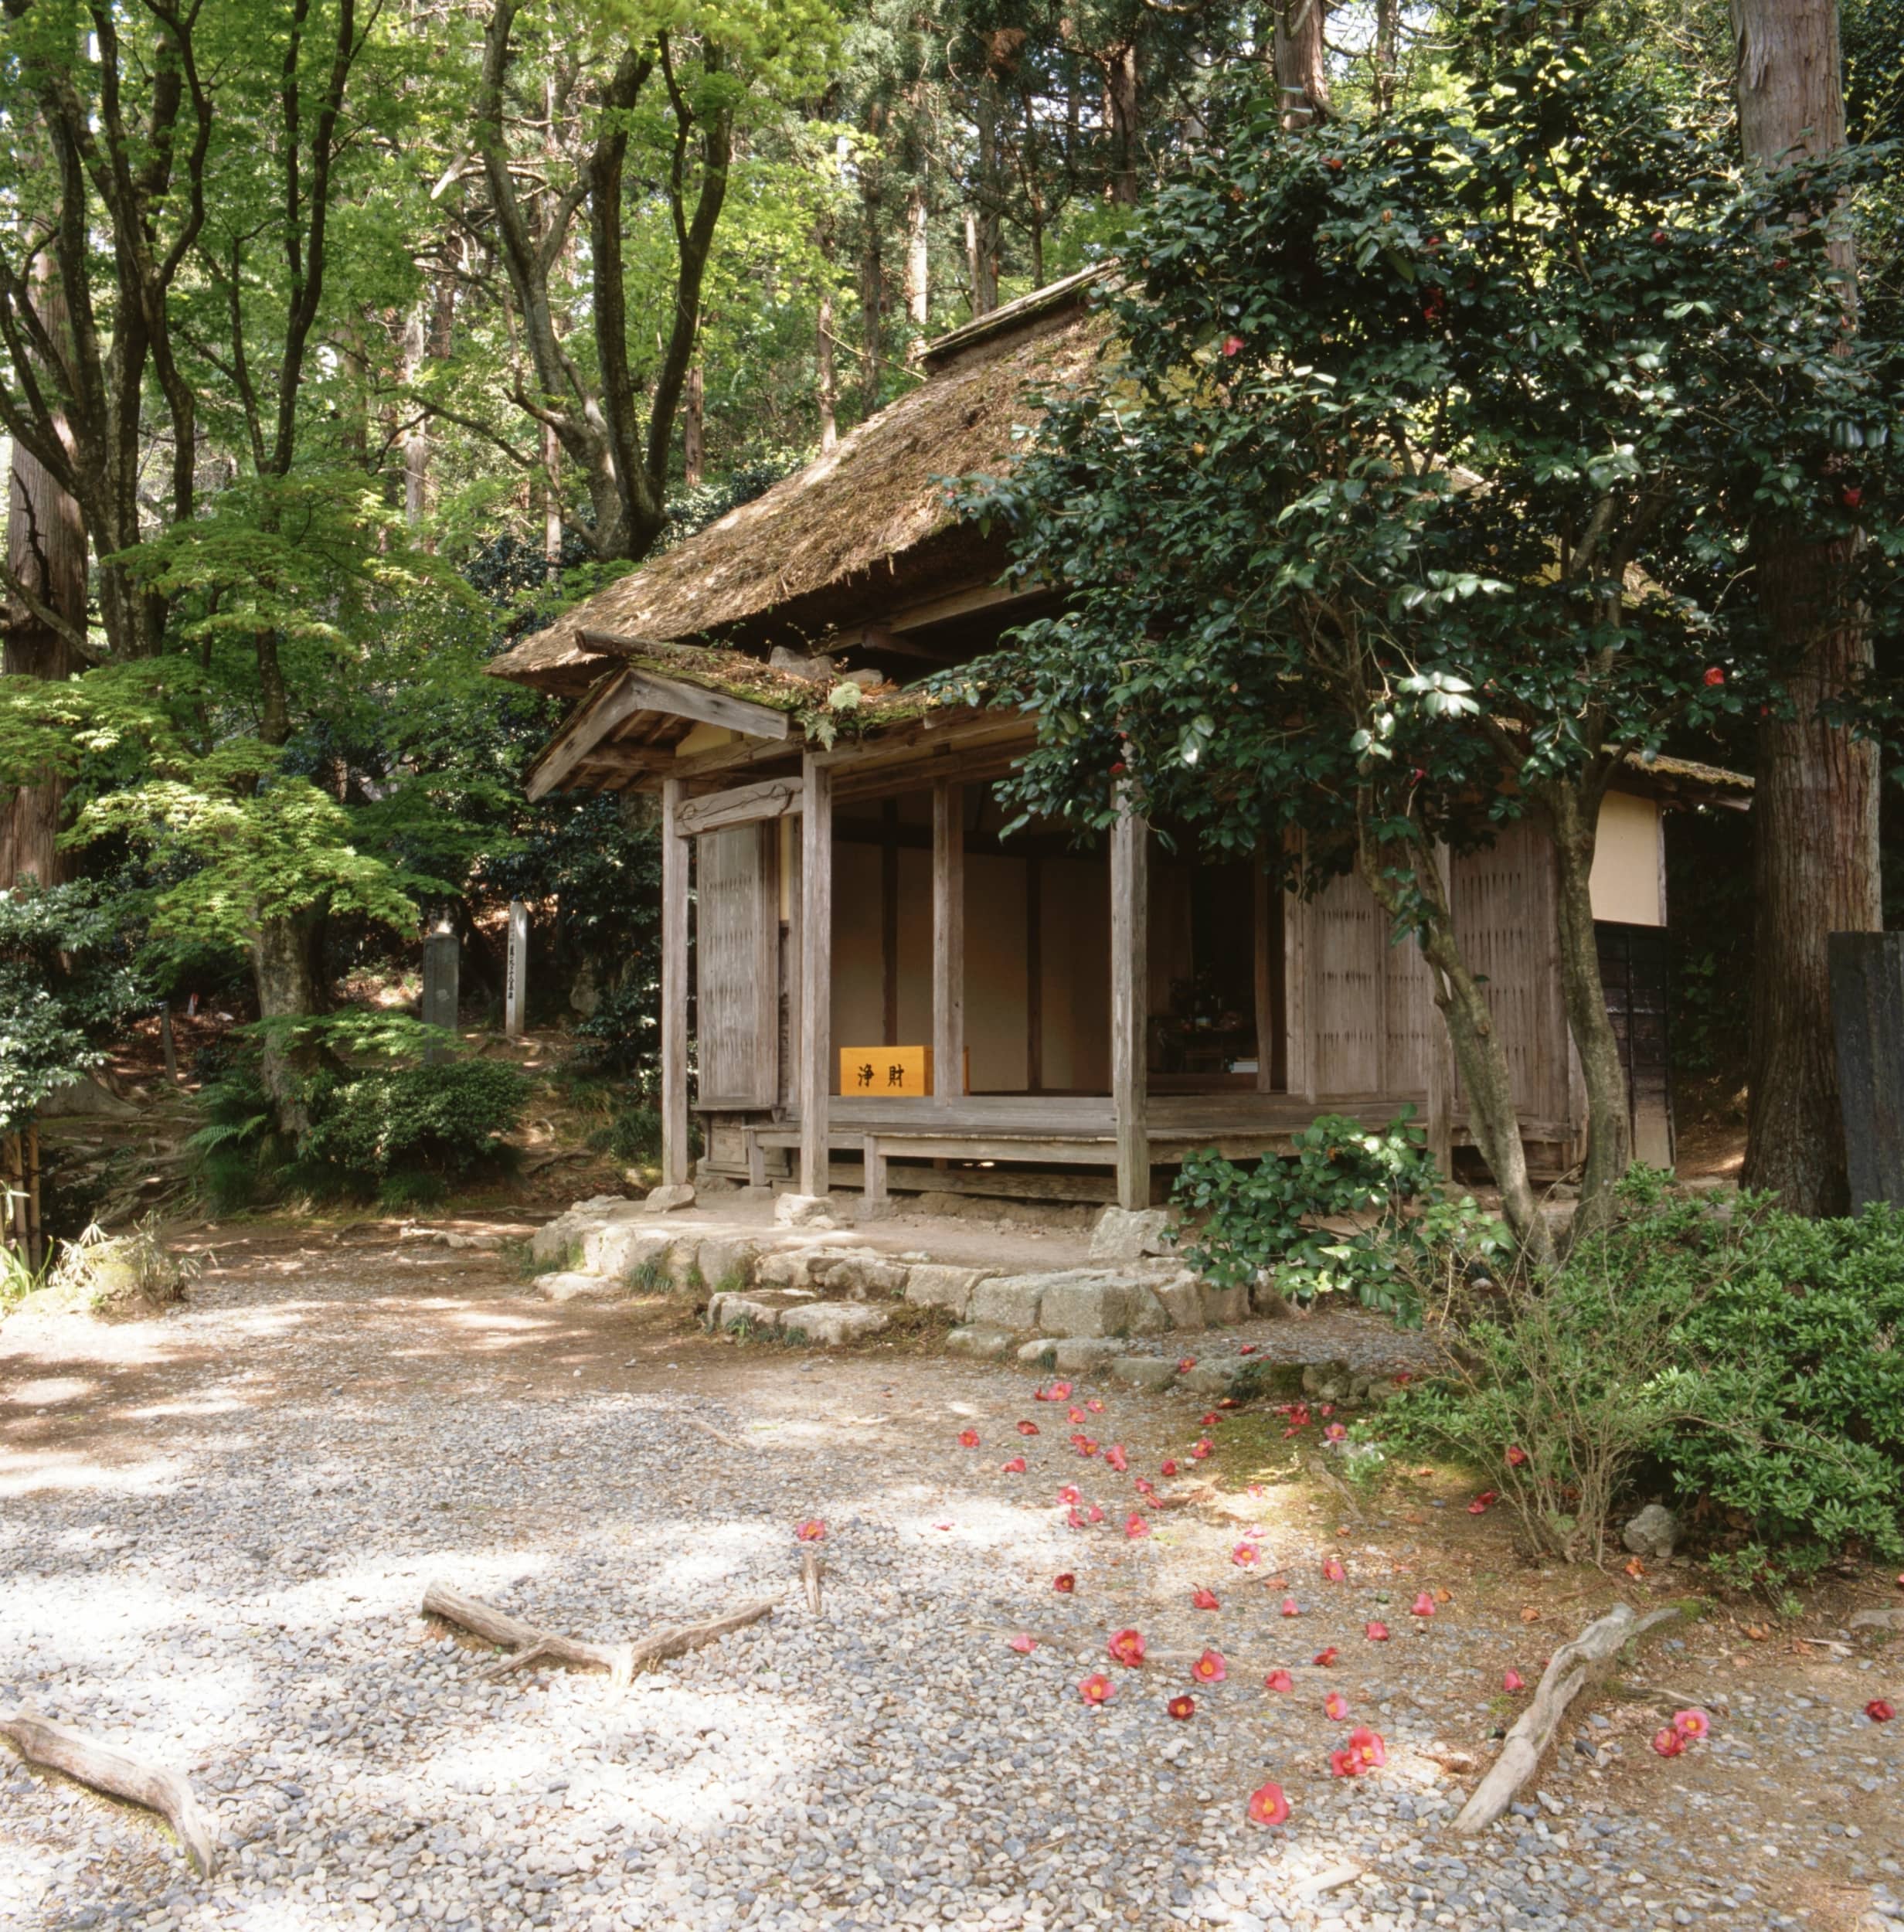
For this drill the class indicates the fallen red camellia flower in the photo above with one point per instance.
(1326, 1658)
(812, 1530)
(1879, 1711)
(1371, 1744)
(1335, 1707)
(1513, 1681)
(1364, 1750)
(1249, 1348)
(1060, 1392)
(1424, 1606)
(1065, 1584)
(1115, 1457)
(968, 1438)
(1075, 1518)
(1135, 1526)
(1332, 1570)
(1201, 1599)
(1076, 1417)
(1289, 1607)
(1097, 1688)
(1170, 1469)
(1185, 1363)
(1127, 1646)
(1480, 1503)
(1096, 1512)
(1144, 1485)
(1336, 1432)
(1267, 1805)
(1208, 1421)
(1279, 1680)
(1199, 1450)
(1086, 1447)
(1092, 1403)
(1245, 1556)
(1691, 1725)
(1210, 1669)
(1667, 1742)
(1015, 1467)
(1376, 1632)
(1028, 1428)
(1023, 1643)
(1069, 1494)
(1180, 1708)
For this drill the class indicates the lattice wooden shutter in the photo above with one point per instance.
(737, 912)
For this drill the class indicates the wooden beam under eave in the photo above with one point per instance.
(674, 989)
(1130, 999)
(739, 805)
(632, 692)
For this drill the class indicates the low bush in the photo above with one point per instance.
(1747, 1361)
(387, 1126)
(1349, 1210)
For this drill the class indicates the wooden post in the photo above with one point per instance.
(674, 990)
(1441, 1122)
(875, 1170)
(1034, 974)
(1130, 1002)
(168, 1044)
(948, 940)
(1272, 1049)
(816, 971)
(515, 972)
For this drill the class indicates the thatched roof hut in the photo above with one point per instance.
(826, 546)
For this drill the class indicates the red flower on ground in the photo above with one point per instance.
(1245, 1556)
(968, 1438)
(1135, 1526)
(1015, 1467)
(1096, 1512)
(1267, 1805)
(1691, 1725)
(1170, 1469)
(1374, 1749)
(1076, 1417)
(1336, 1432)
(1516, 1455)
(1144, 1485)
(1185, 1363)
(1249, 1348)
(1326, 1658)
(1335, 1707)
(1880, 1711)
(1115, 1457)
(1068, 1493)
(1513, 1681)
(1289, 1607)
(1180, 1708)
(1092, 1403)
(812, 1530)
(1199, 1450)
(1479, 1506)
(1332, 1570)
(1424, 1606)
(1060, 1392)
(1097, 1688)
(1024, 1643)
(1210, 1669)
(1064, 1583)
(1028, 1428)
(1127, 1646)
(1279, 1680)
(1076, 1519)
(1232, 345)
(1668, 1743)
(1208, 1421)
(1202, 1599)
(1376, 1632)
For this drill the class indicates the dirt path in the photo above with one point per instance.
(215, 1529)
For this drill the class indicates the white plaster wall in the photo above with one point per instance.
(1626, 880)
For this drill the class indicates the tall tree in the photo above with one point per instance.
(1815, 812)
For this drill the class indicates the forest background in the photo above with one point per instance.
(345, 342)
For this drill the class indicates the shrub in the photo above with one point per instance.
(1747, 1358)
(446, 1121)
(1403, 1244)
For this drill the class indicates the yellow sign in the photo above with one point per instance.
(885, 1073)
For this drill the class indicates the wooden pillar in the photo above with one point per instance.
(948, 941)
(889, 919)
(674, 989)
(1034, 974)
(1440, 1121)
(1130, 1002)
(816, 970)
(516, 975)
(1272, 1032)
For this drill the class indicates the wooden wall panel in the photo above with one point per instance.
(1347, 1004)
(737, 900)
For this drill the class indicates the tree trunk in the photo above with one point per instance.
(416, 435)
(824, 386)
(287, 989)
(552, 505)
(1120, 117)
(1479, 1055)
(1386, 55)
(46, 552)
(918, 261)
(1816, 866)
(1302, 76)
(1573, 818)
(872, 266)
(694, 429)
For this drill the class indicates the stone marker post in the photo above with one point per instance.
(440, 950)
(515, 978)
(1868, 1016)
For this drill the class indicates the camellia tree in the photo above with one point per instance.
(1413, 498)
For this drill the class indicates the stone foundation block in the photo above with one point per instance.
(931, 1284)
(827, 1324)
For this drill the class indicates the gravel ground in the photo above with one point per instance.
(216, 1530)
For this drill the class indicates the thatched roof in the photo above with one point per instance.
(876, 496)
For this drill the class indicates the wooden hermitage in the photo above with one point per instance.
(890, 993)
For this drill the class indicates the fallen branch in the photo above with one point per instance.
(1574, 1665)
(708, 1428)
(107, 1769)
(812, 1568)
(530, 1644)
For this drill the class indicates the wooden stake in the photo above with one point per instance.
(1572, 1668)
(107, 1769)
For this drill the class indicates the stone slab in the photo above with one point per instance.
(1009, 1302)
(1129, 1234)
(576, 1284)
(1085, 1354)
(1144, 1370)
(935, 1285)
(986, 1344)
(828, 1324)
(664, 1200)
